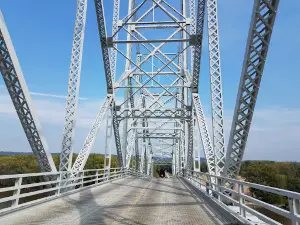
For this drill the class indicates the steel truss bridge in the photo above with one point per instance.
(152, 114)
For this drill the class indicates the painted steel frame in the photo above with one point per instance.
(261, 27)
(73, 87)
(216, 86)
(15, 83)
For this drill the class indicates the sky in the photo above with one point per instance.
(42, 32)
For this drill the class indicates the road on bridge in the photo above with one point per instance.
(125, 201)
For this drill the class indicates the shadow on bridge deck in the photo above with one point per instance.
(126, 201)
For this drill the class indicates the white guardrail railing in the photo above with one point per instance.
(239, 198)
(21, 190)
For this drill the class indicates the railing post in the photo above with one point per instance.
(199, 180)
(58, 179)
(121, 172)
(18, 183)
(241, 200)
(219, 184)
(97, 174)
(81, 181)
(294, 205)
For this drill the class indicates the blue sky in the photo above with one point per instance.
(42, 33)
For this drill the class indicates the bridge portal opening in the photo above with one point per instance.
(162, 170)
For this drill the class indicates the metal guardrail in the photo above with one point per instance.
(22, 190)
(239, 198)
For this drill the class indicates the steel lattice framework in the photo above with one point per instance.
(18, 91)
(73, 87)
(216, 86)
(153, 102)
(263, 18)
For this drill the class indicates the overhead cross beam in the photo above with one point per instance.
(18, 91)
(259, 37)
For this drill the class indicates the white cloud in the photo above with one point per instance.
(53, 96)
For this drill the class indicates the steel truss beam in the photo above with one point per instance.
(205, 138)
(108, 140)
(216, 86)
(262, 22)
(18, 91)
(190, 149)
(197, 35)
(73, 87)
(117, 136)
(90, 139)
(104, 46)
(155, 113)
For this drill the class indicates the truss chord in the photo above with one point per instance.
(73, 87)
(205, 138)
(16, 86)
(196, 51)
(104, 46)
(259, 37)
(90, 139)
(216, 86)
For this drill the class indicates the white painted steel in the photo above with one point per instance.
(90, 139)
(73, 87)
(16, 86)
(259, 37)
(216, 86)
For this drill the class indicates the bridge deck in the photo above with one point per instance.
(125, 201)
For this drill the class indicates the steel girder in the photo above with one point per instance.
(104, 45)
(208, 149)
(73, 87)
(130, 148)
(196, 143)
(154, 113)
(113, 55)
(108, 140)
(216, 86)
(263, 18)
(18, 91)
(190, 149)
(197, 33)
(117, 136)
(90, 139)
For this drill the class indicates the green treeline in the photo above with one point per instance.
(28, 164)
(285, 175)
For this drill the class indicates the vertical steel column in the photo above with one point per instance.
(108, 141)
(185, 68)
(216, 86)
(126, 90)
(73, 88)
